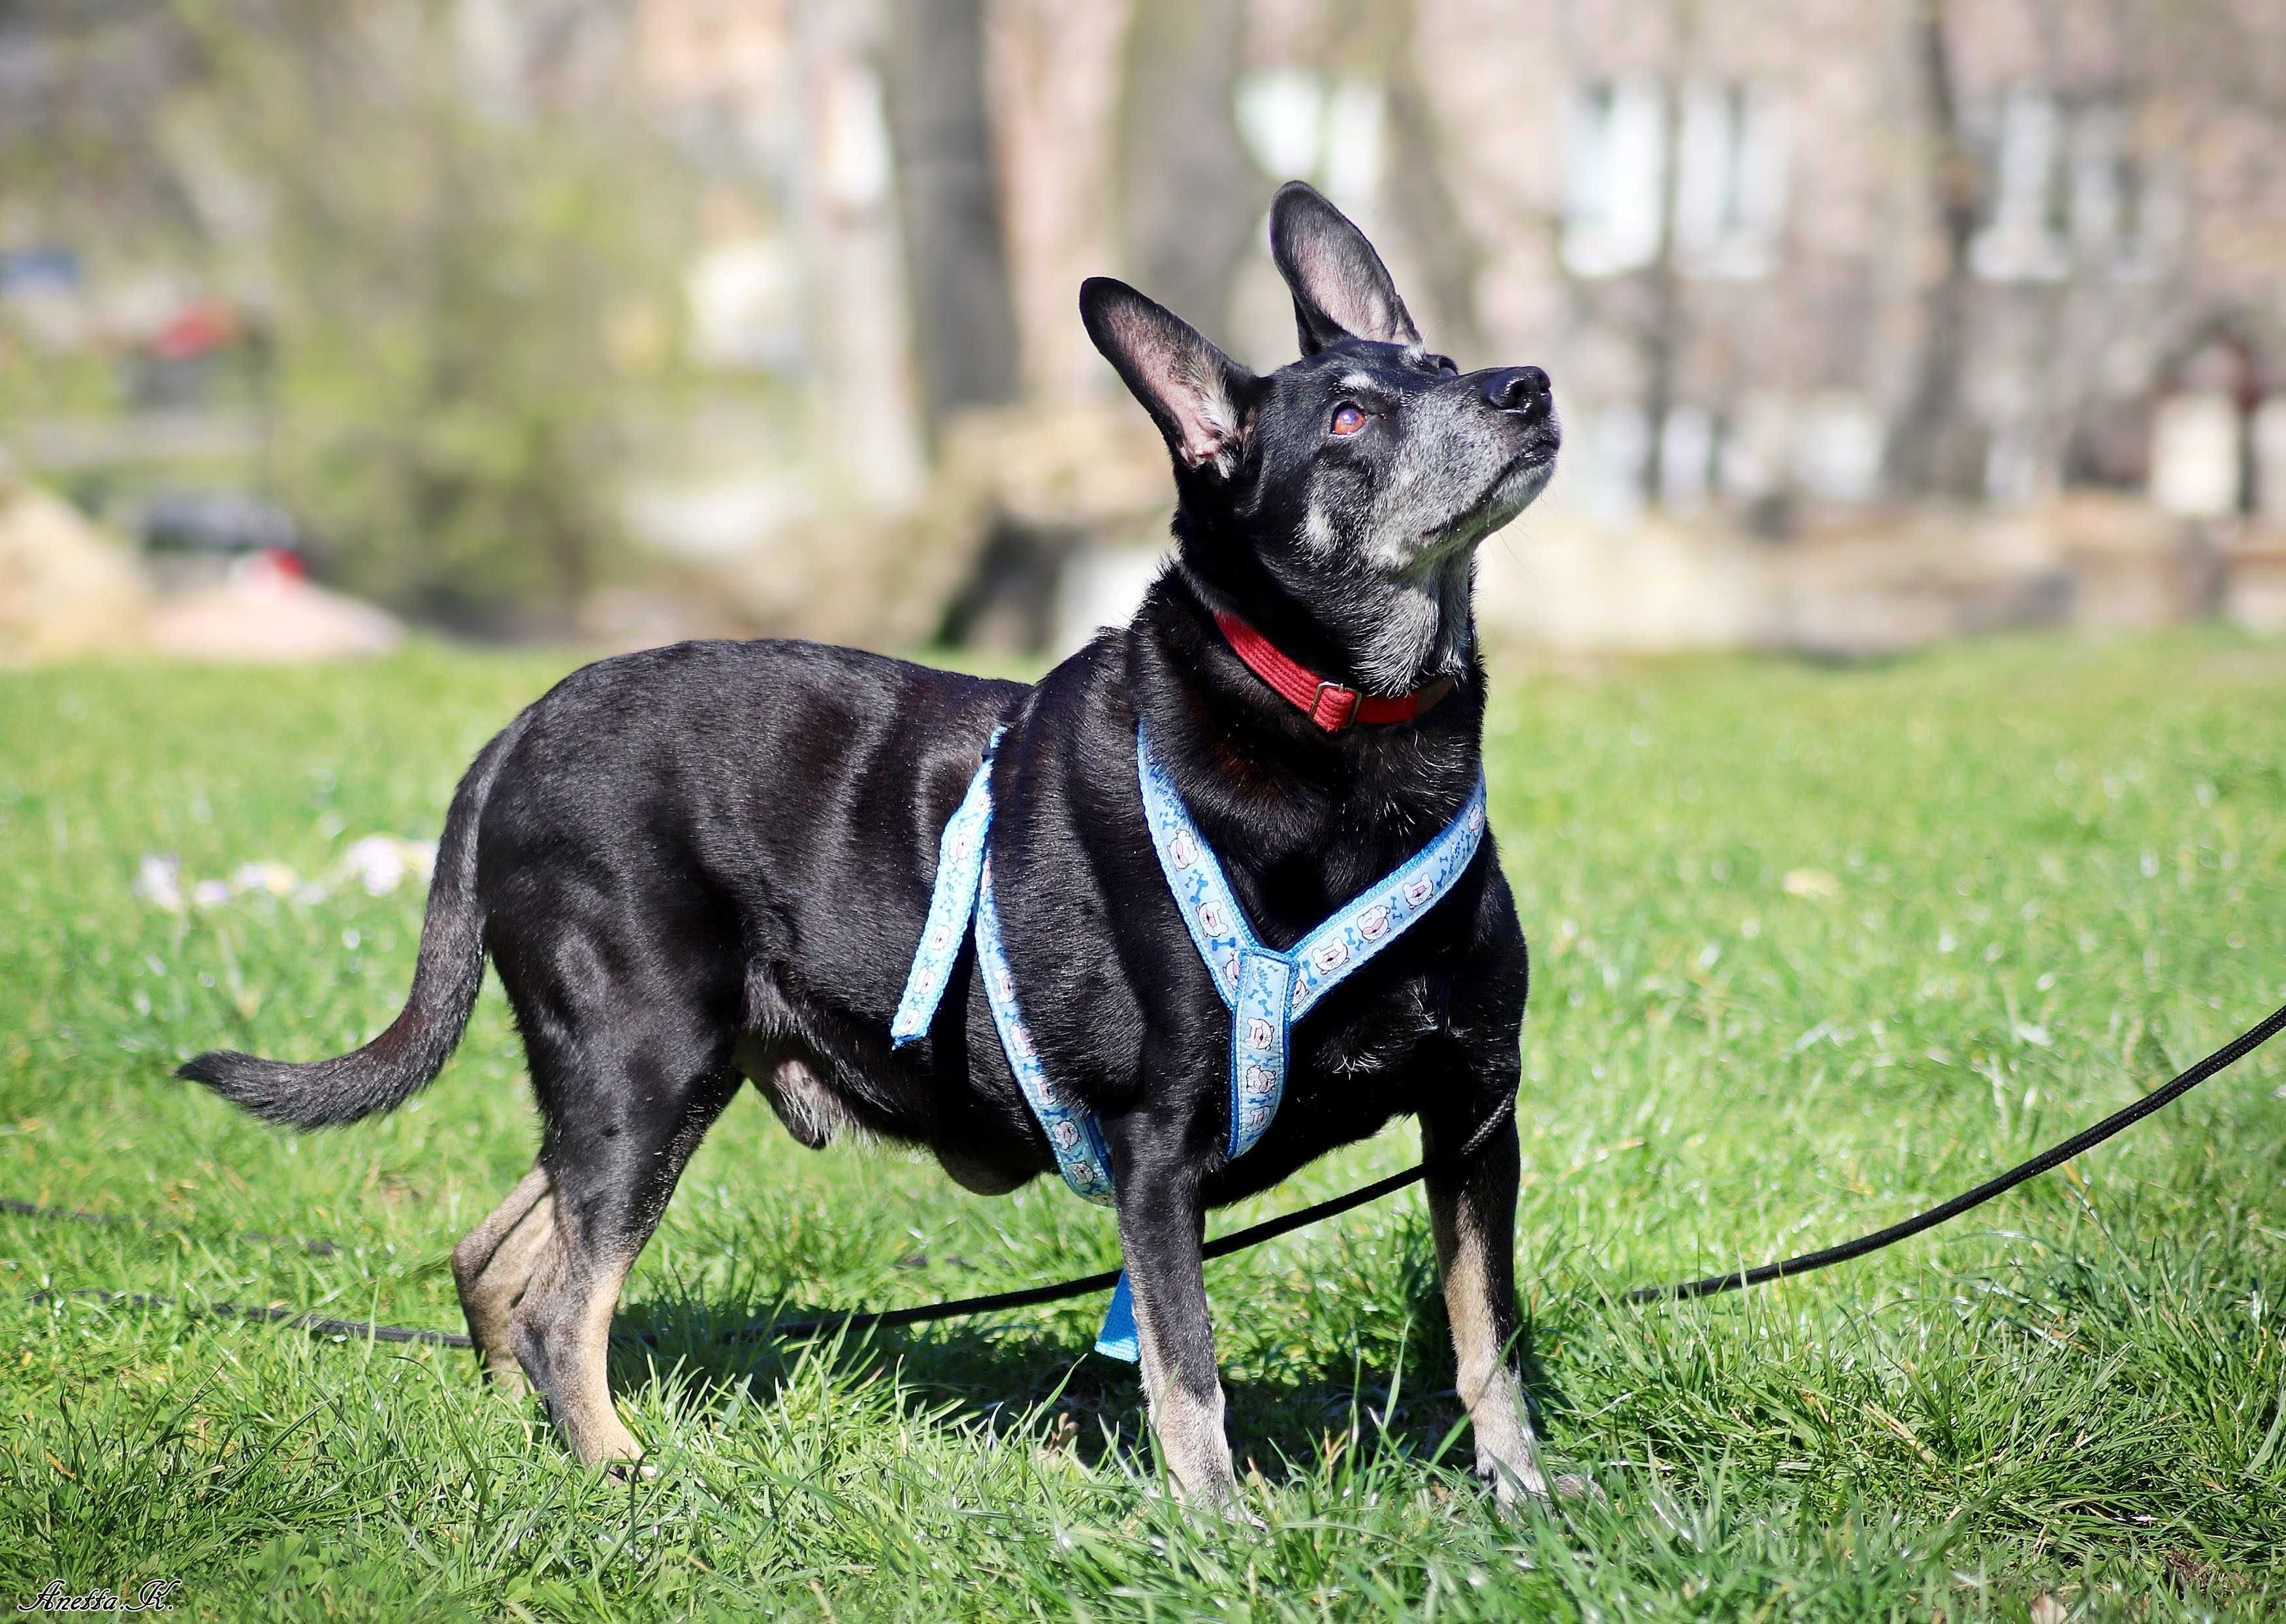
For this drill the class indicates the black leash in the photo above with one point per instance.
(317, 1325)
(2245, 1044)
(28, 1208)
(2236, 1050)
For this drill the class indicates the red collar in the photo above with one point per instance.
(1327, 703)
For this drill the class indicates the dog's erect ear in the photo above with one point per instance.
(1198, 396)
(1341, 288)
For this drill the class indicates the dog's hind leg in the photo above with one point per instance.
(612, 1156)
(1473, 1210)
(493, 1265)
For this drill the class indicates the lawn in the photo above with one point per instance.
(1813, 949)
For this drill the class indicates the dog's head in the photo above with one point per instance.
(1355, 482)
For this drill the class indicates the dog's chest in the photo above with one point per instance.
(1354, 1070)
(1375, 1038)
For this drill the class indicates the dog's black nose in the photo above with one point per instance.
(1522, 390)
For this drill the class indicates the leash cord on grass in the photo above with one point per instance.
(317, 1325)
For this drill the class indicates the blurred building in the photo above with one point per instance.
(1729, 230)
(1786, 267)
(1759, 220)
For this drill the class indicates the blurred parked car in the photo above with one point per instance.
(193, 538)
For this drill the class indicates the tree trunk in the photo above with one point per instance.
(949, 197)
(1665, 332)
(1190, 195)
(1449, 257)
(1934, 449)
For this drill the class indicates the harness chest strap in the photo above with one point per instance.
(1267, 989)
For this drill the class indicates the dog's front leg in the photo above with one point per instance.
(1161, 1221)
(1472, 1205)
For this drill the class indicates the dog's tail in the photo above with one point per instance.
(393, 1066)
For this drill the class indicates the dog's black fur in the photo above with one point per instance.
(711, 861)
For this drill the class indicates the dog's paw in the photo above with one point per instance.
(1216, 1508)
(1512, 1489)
(1581, 1489)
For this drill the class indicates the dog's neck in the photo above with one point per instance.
(1304, 816)
(1180, 617)
(1376, 634)
(1397, 635)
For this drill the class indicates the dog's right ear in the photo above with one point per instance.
(1341, 288)
(1202, 399)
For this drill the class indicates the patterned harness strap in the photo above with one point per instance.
(964, 888)
(1267, 990)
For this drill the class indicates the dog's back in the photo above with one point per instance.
(728, 784)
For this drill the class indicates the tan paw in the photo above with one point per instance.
(1581, 1489)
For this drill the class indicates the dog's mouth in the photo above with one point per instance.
(1507, 493)
(1538, 454)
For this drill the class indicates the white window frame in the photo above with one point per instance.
(1331, 133)
(1730, 197)
(2068, 191)
(1615, 176)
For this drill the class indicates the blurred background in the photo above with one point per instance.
(1873, 322)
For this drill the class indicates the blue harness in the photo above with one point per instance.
(1267, 990)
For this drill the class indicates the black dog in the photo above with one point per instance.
(710, 863)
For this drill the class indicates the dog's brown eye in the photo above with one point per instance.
(1347, 419)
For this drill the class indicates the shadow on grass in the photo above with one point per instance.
(1287, 1415)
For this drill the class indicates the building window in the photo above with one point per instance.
(1615, 178)
(2267, 436)
(1686, 458)
(1609, 474)
(1729, 202)
(1729, 193)
(1301, 126)
(1837, 447)
(2197, 454)
(2065, 190)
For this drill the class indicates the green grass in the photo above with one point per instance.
(1813, 949)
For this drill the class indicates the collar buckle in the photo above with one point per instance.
(1335, 707)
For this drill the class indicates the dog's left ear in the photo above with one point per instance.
(1202, 399)
(1341, 288)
